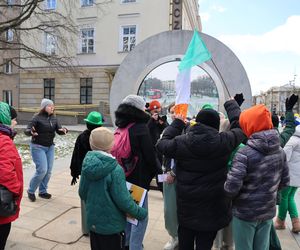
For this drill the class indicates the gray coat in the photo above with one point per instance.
(259, 169)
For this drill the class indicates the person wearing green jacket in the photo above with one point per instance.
(284, 136)
(103, 188)
(289, 128)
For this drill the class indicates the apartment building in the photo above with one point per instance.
(107, 32)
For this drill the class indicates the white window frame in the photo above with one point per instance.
(9, 35)
(86, 3)
(7, 93)
(50, 4)
(128, 1)
(86, 39)
(7, 66)
(121, 35)
(50, 43)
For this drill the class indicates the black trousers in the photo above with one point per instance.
(4, 232)
(107, 242)
(187, 237)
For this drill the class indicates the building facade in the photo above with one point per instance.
(106, 34)
(9, 58)
(275, 97)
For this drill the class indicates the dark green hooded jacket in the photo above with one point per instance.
(103, 188)
(288, 130)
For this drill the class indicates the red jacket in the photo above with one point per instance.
(11, 173)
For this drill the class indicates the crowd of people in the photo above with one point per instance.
(221, 175)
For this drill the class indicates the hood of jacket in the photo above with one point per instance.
(126, 114)
(266, 142)
(5, 117)
(97, 165)
(255, 119)
(7, 131)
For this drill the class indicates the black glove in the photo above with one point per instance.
(290, 102)
(162, 118)
(74, 180)
(239, 98)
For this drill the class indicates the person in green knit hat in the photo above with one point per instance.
(103, 189)
(82, 146)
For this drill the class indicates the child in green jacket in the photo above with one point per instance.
(103, 188)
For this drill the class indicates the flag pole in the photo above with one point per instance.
(220, 76)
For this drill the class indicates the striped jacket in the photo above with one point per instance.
(259, 169)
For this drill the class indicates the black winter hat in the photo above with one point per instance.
(13, 113)
(209, 117)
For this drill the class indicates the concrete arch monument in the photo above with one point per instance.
(226, 70)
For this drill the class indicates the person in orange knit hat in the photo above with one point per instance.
(259, 170)
(156, 125)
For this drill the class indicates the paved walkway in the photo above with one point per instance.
(55, 223)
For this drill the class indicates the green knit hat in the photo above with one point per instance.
(94, 118)
(207, 106)
(5, 117)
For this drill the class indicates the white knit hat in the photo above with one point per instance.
(135, 101)
(45, 102)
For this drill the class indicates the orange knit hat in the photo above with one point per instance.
(255, 119)
(154, 105)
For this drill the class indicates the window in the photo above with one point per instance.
(7, 97)
(87, 40)
(128, 38)
(9, 35)
(49, 88)
(7, 66)
(87, 3)
(10, 2)
(128, 1)
(50, 43)
(50, 4)
(86, 90)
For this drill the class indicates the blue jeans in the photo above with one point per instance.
(135, 234)
(43, 157)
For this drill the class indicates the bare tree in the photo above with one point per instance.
(26, 24)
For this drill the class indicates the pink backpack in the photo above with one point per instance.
(122, 150)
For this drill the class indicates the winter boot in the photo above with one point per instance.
(296, 225)
(279, 224)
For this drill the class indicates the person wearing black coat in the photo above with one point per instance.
(82, 146)
(42, 130)
(156, 125)
(201, 167)
(131, 110)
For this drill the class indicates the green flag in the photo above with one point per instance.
(195, 54)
